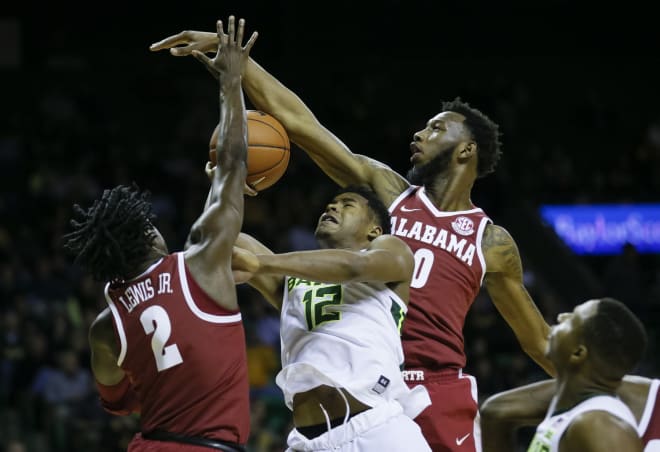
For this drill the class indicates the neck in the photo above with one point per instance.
(148, 261)
(329, 243)
(450, 191)
(574, 389)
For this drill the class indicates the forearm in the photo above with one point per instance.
(331, 266)
(269, 95)
(232, 132)
(536, 349)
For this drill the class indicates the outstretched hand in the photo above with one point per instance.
(231, 55)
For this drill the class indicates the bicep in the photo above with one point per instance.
(104, 350)
(217, 228)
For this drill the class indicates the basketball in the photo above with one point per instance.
(268, 149)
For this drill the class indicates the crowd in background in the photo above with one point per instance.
(64, 145)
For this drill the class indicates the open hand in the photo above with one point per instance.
(231, 56)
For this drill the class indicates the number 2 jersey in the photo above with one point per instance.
(184, 355)
(449, 270)
(345, 336)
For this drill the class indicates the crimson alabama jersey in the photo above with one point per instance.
(184, 355)
(449, 270)
(649, 425)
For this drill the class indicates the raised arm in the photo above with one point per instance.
(212, 237)
(504, 282)
(503, 413)
(271, 96)
(323, 147)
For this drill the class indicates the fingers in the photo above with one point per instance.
(239, 34)
(250, 43)
(208, 63)
(169, 42)
(221, 34)
(249, 190)
(185, 51)
(231, 30)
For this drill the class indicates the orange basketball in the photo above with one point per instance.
(268, 149)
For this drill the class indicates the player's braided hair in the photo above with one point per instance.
(113, 236)
(379, 210)
(485, 133)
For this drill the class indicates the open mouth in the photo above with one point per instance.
(328, 218)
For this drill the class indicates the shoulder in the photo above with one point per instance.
(496, 236)
(600, 430)
(634, 392)
(499, 249)
(390, 243)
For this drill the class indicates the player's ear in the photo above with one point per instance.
(579, 355)
(468, 150)
(374, 232)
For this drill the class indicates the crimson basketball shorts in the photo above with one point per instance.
(451, 422)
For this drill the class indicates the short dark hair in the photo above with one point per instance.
(381, 214)
(485, 133)
(617, 337)
(114, 235)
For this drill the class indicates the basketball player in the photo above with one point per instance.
(171, 343)
(502, 414)
(455, 244)
(342, 307)
(592, 349)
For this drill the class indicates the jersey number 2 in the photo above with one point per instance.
(155, 320)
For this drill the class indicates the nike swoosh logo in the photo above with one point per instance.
(405, 209)
(460, 441)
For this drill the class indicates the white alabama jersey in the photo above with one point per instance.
(348, 336)
(549, 432)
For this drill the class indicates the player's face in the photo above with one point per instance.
(346, 218)
(433, 148)
(566, 335)
(159, 241)
(442, 134)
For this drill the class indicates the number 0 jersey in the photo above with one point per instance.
(184, 355)
(449, 270)
(348, 336)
